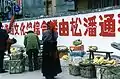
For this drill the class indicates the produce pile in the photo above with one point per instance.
(100, 60)
(65, 57)
(63, 50)
(93, 48)
(17, 52)
(77, 45)
(77, 42)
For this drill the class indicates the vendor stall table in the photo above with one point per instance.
(91, 56)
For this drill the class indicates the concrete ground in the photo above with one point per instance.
(38, 75)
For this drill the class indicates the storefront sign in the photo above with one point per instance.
(99, 29)
(16, 8)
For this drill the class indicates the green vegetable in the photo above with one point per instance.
(77, 42)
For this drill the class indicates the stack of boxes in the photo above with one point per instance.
(77, 49)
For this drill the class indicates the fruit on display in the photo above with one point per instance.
(77, 42)
(86, 61)
(93, 48)
(17, 52)
(98, 60)
(13, 50)
(65, 57)
(101, 61)
(113, 62)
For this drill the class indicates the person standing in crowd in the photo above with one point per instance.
(51, 63)
(31, 42)
(3, 46)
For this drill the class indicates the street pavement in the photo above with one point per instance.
(38, 75)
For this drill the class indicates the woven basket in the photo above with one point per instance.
(87, 71)
(74, 70)
(16, 66)
(110, 72)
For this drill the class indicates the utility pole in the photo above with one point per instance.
(47, 7)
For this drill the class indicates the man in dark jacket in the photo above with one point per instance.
(3, 44)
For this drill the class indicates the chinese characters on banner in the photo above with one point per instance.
(72, 26)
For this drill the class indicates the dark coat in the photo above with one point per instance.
(51, 63)
(3, 39)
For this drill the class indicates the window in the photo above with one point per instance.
(93, 4)
(33, 8)
(64, 5)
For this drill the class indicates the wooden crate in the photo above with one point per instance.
(16, 66)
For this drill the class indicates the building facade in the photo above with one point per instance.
(36, 8)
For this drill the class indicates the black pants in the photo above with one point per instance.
(33, 54)
(1, 60)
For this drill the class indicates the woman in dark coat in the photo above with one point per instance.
(51, 63)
